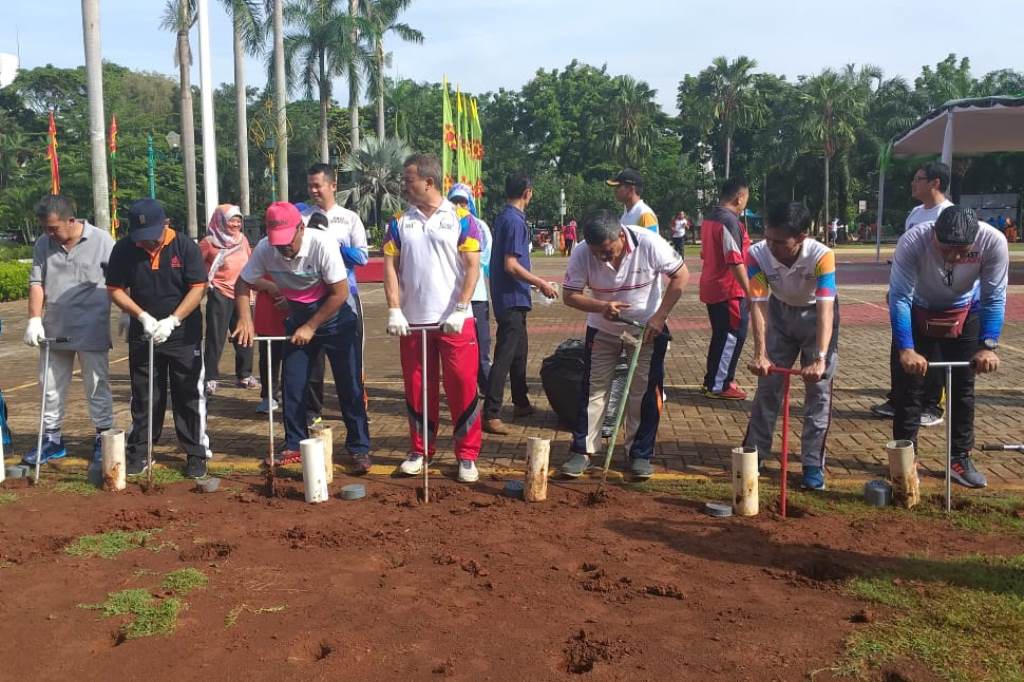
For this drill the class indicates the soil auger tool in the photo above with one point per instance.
(637, 342)
(426, 407)
(271, 472)
(783, 483)
(42, 400)
(1003, 447)
(948, 366)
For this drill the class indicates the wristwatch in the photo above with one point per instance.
(822, 355)
(462, 307)
(990, 344)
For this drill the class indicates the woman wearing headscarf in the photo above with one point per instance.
(225, 252)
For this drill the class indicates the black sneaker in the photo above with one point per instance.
(361, 464)
(964, 472)
(136, 467)
(886, 410)
(195, 467)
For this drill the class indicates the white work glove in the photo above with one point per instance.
(164, 328)
(149, 323)
(34, 333)
(453, 324)
(122, 329)
(397, 324)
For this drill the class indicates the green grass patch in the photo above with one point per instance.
(76, 487)
(110, 544)
(694, 490)
(7, 498)
(163, 475)
(184, 580)
(149, 615)
(963, 619)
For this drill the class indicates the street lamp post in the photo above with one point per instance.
(152, 154)
(270, 148)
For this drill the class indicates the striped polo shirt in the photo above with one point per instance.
(811, 278)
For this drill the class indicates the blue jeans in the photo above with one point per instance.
(340, 342)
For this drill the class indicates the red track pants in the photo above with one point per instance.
(456, 356)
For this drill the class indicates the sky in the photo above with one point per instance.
(487, 44)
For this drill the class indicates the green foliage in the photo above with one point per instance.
(9, 252)
(76, 487)
(184, 580)
(374, 188)
(110, 544)
(13, 280)
(149, 615)
(7, 498)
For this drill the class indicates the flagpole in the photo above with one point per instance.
(206, 103)
(94, 88)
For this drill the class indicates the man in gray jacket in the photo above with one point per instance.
(68, 281)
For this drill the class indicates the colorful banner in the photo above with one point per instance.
(115, 222)
(51, 154)
(449, 140)
(476, 139)
(462, 155)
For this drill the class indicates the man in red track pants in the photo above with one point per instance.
(431, 265)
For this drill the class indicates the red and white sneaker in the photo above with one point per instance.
(730, 392)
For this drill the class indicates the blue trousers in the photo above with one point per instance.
(340, 341)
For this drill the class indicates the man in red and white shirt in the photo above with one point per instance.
(431, 266)
(724, 288)
(624, 268)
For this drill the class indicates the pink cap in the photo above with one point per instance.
(282, 220)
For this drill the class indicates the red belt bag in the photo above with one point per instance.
(941, 324)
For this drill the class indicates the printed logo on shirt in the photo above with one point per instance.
(175, 261)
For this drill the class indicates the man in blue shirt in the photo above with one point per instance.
(511, 280)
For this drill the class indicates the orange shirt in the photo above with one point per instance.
(226, 275)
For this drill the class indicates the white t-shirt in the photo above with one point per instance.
(679, 228)
(919, 214)
(640, 215)
(638, 280)
(430, 267)
(303, 278)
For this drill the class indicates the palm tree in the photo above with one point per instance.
(724, 93)
(632, 120)
(179, 16)
(382, 16)
(322, 42)
(97, 137)
(833, 111)
(247, 37)
(375, 170)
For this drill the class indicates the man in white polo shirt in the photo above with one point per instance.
(794, 315)
(628, 186)
(624, 268)
(431, 266)
(306, 268)
(346, 228)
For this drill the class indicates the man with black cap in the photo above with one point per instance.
(947, 299)
(628, 185)
(157, 276)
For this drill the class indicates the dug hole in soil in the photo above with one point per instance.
(473, 586)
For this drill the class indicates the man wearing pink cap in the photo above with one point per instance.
(306, 268)
(431, 265)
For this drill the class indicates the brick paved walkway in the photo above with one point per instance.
(696, 434)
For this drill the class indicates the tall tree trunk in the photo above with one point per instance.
(728, 156)
(97, 136)
(188, 132)
(242, 120)
(325, 98)
(380, 90)
(353, 81)
(827, 221)
(281, 103)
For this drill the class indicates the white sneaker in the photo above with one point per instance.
(412, 466)
(211, 388)
(468, 473)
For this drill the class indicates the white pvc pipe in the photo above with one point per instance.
(314, 477)
(210, 196)
(745, 494)
(114, 464)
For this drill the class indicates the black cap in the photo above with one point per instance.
(146, 220)
(626, 176)
(956, 226)
(317, 221)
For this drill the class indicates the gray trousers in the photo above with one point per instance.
(791, 333)
(95, 377)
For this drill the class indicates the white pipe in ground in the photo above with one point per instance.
(745, 493)
(325, 434)
(114, 466)
(314, 476)
(535, 488)
(906, 488)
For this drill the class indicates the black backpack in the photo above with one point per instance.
(561, 374)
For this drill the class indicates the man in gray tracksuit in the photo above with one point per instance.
(794, 314)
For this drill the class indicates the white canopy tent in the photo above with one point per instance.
(964, 126)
